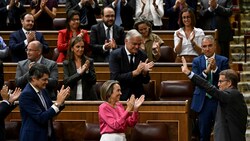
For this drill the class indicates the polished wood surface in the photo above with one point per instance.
(174, 113)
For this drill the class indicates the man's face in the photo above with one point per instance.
(28, 22)
(40, 83)
(223, 83)
(208, 48)
(33, 52)
(108, 17)
(133, 44)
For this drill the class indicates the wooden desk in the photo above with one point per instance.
(174, 113)
(246, 37)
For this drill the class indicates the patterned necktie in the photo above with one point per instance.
(118, 20)
(84, 19)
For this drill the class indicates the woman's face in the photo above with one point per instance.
(186, 18)
(74, 23)
(115, 96)
(143, 29)
(78, 49)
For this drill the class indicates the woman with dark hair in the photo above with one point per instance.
(79, 72)
(187, 39)
(113, 117)
(72, 30)
(151, 42)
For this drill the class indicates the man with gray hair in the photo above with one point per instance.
(129, 65)
(34, 55)
(202, 102)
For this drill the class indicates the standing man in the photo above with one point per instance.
(124, 12)
(34, 54)
(20, 39)
(129, 65)
(202, 102)
(106, 36)
(10, 12)
(87, 9)
(37, 109)
(231, 116)
(6, 106)
(215, 14)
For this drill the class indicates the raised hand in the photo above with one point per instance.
(192, 35)
(4, 92)
(148, 65)
(130, 103)
(62, 95)
(138, 102)
(15, 95)
(179, 35)
(184, 67)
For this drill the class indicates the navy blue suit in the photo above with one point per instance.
(35, 117)
(17, 46)
(205, 106)
(174, 15)
(5, 109)
(120, 71)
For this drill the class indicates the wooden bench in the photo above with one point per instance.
(161, 72)
(175, 114)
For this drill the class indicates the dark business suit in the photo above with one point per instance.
(17, 46)
(71, 77)
(205, 106)
(231, 117)
(174, 15)
(91, 12)
(97, 40)
(120, 70)
(5, 109)
(13, 15)
(35, 117)
(218, 19)
(22, 73)
(126, 13)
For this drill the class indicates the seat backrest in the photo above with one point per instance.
(150, 132)
(59, 23)
(92, 132)
(12, 130)
(176, 90)
(149, 90)
(55, 54)
(167, 54)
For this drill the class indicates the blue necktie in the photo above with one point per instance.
(118, 20)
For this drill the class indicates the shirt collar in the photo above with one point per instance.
(105, 27)
(206, 58)
(36, 90)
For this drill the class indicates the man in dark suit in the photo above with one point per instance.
(231, 116)
(21, 38)
(37, 109)
(173, 9)
(34, 54)
(203, 103)
(215, 14)
(10, 12)
(6, 106)
(129, 65)
(124, 12)
(106, 36)
(87, 8)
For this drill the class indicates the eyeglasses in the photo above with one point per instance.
(220, 81)
(207, 46)
(30, 50)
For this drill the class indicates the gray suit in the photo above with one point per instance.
(22, 73)
(231, 116)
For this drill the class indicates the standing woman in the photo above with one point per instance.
(151, 42)
(44, 12)
(152, 10)
(72, 30)
(113, 117)
(79, 72)
(187, 39)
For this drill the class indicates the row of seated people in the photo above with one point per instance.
(80, 130)
(100, 44)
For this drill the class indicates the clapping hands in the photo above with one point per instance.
(133, 103)
(6, 94)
